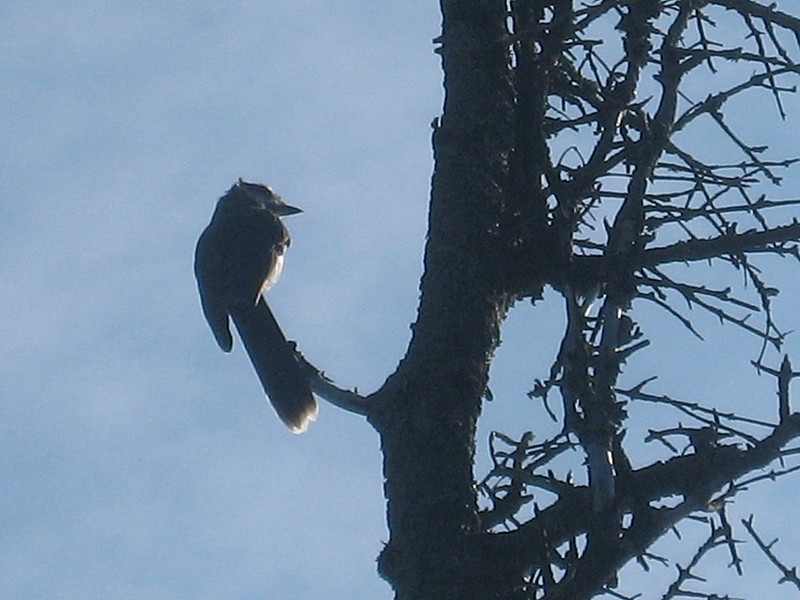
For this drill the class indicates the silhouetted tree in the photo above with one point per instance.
(570, 159)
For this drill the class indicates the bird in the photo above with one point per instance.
(238, 258)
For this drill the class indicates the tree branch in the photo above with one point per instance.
(730, 243)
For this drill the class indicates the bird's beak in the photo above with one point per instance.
(285, 210)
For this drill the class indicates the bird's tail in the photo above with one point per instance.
(274, 361)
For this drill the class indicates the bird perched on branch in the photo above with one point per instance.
(239, 256)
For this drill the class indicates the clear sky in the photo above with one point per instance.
(137, 460)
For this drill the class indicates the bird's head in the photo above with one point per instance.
(262, 196)
(244, 197)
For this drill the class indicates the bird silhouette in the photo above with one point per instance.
(239, 256)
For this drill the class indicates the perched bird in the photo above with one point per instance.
(239, 256)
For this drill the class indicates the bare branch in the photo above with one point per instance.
(789, 574)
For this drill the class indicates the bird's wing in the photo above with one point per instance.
(209, 269)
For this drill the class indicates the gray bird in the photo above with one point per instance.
(239, 256)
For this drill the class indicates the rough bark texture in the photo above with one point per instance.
(429, 407)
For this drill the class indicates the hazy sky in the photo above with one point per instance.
(137, 460)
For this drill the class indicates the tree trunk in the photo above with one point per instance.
(429, 408)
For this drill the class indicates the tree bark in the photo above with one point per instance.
(426, 413)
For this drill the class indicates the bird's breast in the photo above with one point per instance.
(273, 275)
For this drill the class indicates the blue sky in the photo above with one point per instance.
(137, 460)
